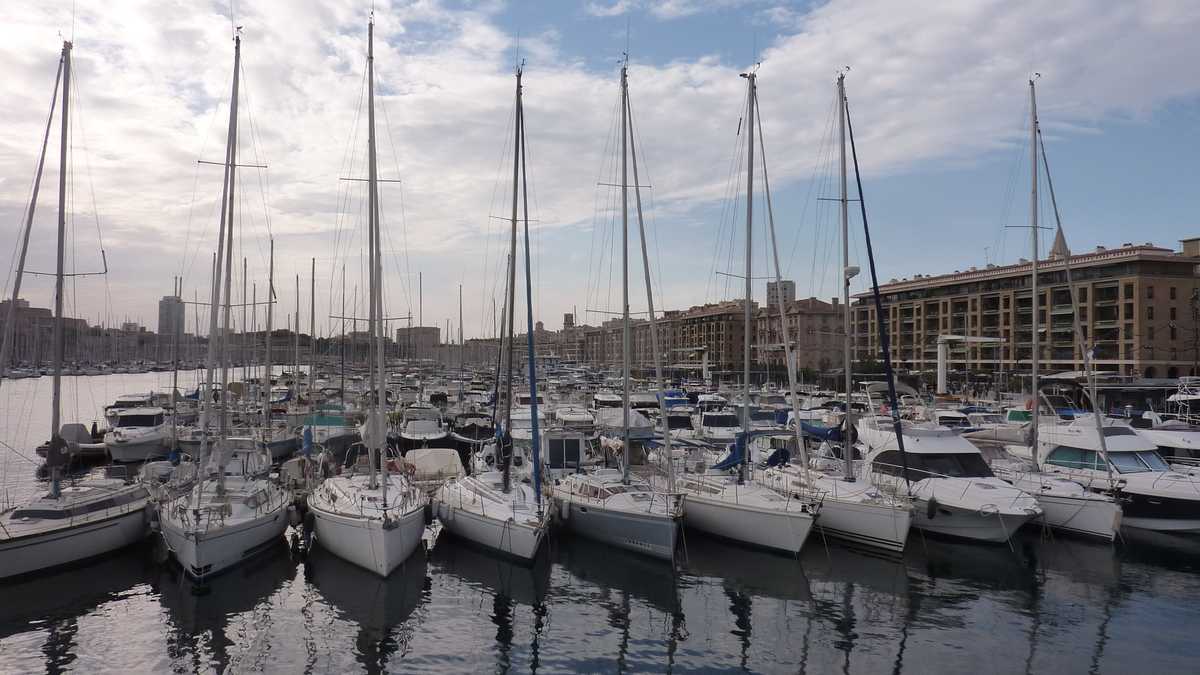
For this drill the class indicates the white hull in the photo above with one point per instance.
(766, 528)
(648, 533)
(205, 553)
(61, 547)
(968, 523)
(365, 542)
(1088, 517)
(875, 525)
(137, 451)
(511, 538)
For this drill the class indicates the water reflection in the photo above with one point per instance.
(378, 608)
(227, 617)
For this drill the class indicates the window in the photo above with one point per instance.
(1172, 313)
(1150, 333)
(1083, 295)
(1128, 291)
(1171, 328)
(1149, 292)
(1172, 292)
(1150, 313)
(1073, 458)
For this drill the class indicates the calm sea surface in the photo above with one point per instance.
(1045, 606)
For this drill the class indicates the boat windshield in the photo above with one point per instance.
(762, 415)
(1131, 462)
(986, 418)
(139, 420)
(922, 465)
(679, 421)
(1020, 415)
(953, 421)
(721, 421)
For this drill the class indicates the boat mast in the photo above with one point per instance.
(654, 347)
(56, 441)
(342, 383)
(1033, 243)
(506, 451)
(245, 341)
(625, 328)
(750, 96)
(312, 329)
(374, 423)
(296, 343)
(270, 317)
(228, 297)
(10, 323)
(219, 260)
(847, 275)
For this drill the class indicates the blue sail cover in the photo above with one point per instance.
(779, 457)
(737, 450)
(823, 433)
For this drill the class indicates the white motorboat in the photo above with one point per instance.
(127, 402)
(953, 489)
(422, 426)
(1152, 495)
(719, 427)
(87, 518)
(138, 434)
(227, 518)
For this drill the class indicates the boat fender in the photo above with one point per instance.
(931, 508)
(564, 508)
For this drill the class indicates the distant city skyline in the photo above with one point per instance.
(938, 93)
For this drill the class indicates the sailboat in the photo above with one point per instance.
(368, 515)
(1086, 505)
(953, 488)
(724, 498)
(90, 517)
(234, 511)
(488, 508)
(851, 509)
(611, 505)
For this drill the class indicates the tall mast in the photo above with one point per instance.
(1033, 283)
(751, 94)
(270, 318)
(342, 383)
(381, 392)
(506, 459)
(374, 420)
(219, 261)
(224, 354)
(10, 323)
(245, 342)
(847, 275)
(654, 344)
(296, 342)
(56, 441)
(625, 329)
(312, 329)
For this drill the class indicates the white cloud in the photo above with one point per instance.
(935, 82)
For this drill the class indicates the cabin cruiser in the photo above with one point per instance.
(1177, 438)
(126, 402)
(953, 489)
(84, 519)
(718, 426)
(1153, 496)
(138, 434)
(232, 514)
(422, 427)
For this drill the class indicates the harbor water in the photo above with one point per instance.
(1047, 604)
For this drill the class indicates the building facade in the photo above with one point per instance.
(171, 314)
(1137, 307)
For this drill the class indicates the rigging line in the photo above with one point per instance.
(826, 136)
(406, 284)
(656, 269)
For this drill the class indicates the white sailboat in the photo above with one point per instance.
(234, 510)
(488, 508)
(609, 505)
(368, 515)
(724, 498)
(89, 517)
(851, 509)
(1066, 505)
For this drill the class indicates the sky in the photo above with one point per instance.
(938, 93)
